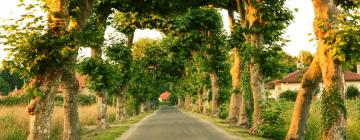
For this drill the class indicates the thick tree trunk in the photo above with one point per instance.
(243, 119)
(310, 82)
(333, 95)
(71, 117)
(255, 82)
(215, 97)
(235, 76)
(199, 101)
(142, 107)
(204, 102)
(180, 102)
(69, 82)
(234, 99)
(323, 65)
(40, 109)
(102, 109)
(120, 103)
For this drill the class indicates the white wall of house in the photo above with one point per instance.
(355, 83)
(281, 87)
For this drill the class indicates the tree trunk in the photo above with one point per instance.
(69, 82)
(199, 101)
(71, 117)
(323, 65)
(205, 102)
(215, 97)
(255, 82)
(235, 76)
(179, 103)
(142, 107)
(120, 103)
(102, 109)
(234, 100)
(243, 119)
(310, 82)
(40, 109)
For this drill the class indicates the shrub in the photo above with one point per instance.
(289, 95)
(352, 92)
(273, 125)
(224, 110)
(24, 100)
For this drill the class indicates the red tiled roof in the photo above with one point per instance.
(295, 77)
(165, 95)
(80, 78)
(350, 76)
(15, 93)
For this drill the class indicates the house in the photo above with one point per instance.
(82, 87)
(164, 96)
(292, 81)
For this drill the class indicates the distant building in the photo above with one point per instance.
(292, 81)
(82, 87)
(165, 96)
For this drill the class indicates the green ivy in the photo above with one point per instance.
(332, 105)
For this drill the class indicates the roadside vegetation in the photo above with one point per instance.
(227, 76)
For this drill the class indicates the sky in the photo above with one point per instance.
(299, 31)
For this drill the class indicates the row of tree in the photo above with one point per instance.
(192, 57)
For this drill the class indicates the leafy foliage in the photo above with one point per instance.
(352, 92)
(4, 86)
(289, 95)
(273, 124)
(98, 72)
(332, 104)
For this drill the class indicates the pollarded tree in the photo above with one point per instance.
(120, 57)
(262, 23)
(52, 50)
(203, 36)
(99, 73)
(336, 37)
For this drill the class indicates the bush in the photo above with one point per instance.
(23, 100)
(224, 110)
(352, 92)
(273, 125)
(289, 95)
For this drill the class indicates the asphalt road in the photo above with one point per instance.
(170, 124)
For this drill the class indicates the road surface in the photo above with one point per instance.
(170, 124)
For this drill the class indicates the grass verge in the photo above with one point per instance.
(239, 132)
(115, 130)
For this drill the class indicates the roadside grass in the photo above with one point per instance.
(240, 132)
(116, 129)
(14, 120)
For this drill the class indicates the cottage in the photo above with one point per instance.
(292, 81)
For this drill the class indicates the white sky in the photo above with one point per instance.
(297, 32)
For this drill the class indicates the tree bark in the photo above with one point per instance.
(255, 82)
(234, 99)
(323, 65)
(310, 82)
(243, 118)
(40, 109)
(215, 97)
(69, 82)
(235, 76)
(102, 109)
(71, 118)
(205, 101)
(120, 103)
(199, 101)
